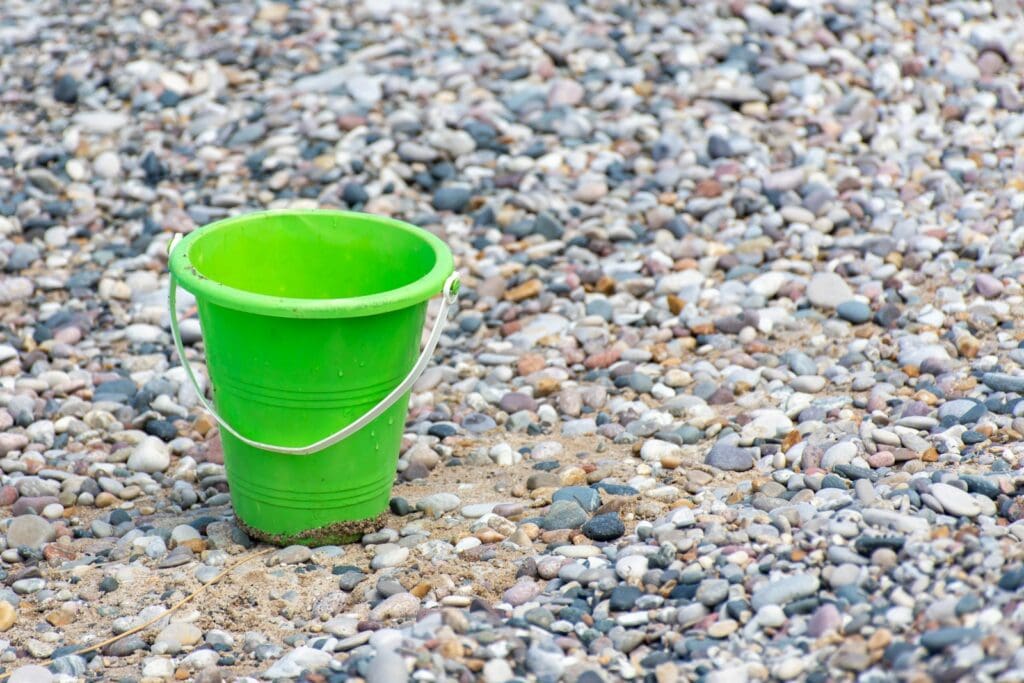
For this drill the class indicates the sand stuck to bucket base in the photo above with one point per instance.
(339, 533)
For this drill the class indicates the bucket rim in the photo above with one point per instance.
(212, 291)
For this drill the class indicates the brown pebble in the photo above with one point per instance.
(602, 359)
(573, 476)
(702, 328)
(556, 536)
(105, 499)
(530, 363)
(8, 494)
(546, 386)
(508, 510)
(421, 589)
(196, 545)
(528, 289)
(489, 536)
(708, 188)
(203, 424)
(670, 461)
(59, 618)
(880, 639)
(8, 615)
(605, 285)
(791, 439)
(614, 504)
(54, 552)
(521, 539)
(451, 648)
(531, 530)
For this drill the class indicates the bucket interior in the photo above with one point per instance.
(307, 256)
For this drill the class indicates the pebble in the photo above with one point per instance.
(631, 567)
(730, 458)
(31, 531)
(31, 673)
(605, 527)
(999, 381)
(784, 591)
(564, 514)
(808, 384)
(389, 555)
(8, 615)
(296, 661)
(828, 290)
(176, 636)
(712, 592)
(955, 501)
(294, 554)
(151, 455)
(438, 504)
(856, 312)
(387, 667)
(521, 593)
(397, 607)
(452, 198)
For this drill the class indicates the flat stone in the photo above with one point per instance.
(731, 458)
(31, 673)
(623, 598)
(955, 501)
(856, 312)
(828, 290)
(940, 639)
(784, 591)
(605, 527)
(712, 592)
(999, 381)
(522, 592)
(293, 554)
(808, 384)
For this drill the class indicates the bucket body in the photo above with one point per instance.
(310, 318)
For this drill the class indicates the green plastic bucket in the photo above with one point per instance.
(312, 322)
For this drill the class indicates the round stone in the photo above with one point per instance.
(606, 527)
(856, 312)
(30, 531)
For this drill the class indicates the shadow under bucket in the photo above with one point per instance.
(312, 322)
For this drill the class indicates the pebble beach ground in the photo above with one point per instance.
(734, 389)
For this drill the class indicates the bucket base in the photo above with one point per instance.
(339, 533)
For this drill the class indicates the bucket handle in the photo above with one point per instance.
(450, 293)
